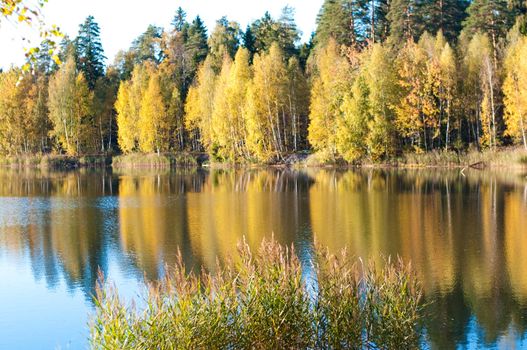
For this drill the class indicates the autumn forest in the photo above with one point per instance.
(377, 79)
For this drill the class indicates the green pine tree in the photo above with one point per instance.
(344, 20)
(443, 15)
(89, 52)
(491, 17)
(147, 47)
(403, 22)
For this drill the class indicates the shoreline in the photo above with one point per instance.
(503, 158)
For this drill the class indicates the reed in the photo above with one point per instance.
(154, 161)
(505, 157)
(266, 300)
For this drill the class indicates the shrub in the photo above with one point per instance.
(265, 301)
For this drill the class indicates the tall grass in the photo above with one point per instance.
(505, 157)
(266, 301)
(55, 161)
(154, 161)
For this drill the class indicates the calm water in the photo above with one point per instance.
(465, 234)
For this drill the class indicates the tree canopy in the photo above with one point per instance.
(376, 79)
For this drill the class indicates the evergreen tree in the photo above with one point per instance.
(184, 49)
(267, 31)
(378, 25)
(403, 22)
(89, 52)
(332, 22)
(288, 34)
(147, 47)
(43, 62)
(124, 64)
(224, 40)
(491, 17)
(66, 50)
(264, 31)
(197, 42)
(305, 51)
(179, 22)
(249, 40)
(446, 16)
(519, 8)
(343, 20)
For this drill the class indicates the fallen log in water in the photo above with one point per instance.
(478, 165)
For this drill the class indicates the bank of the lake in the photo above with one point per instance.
(505, 158)
(55, 161)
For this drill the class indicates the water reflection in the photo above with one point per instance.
(466, 234)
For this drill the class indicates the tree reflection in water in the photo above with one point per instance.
(465, 235)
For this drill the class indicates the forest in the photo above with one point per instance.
(377, 79)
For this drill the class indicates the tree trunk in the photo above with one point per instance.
(352, 26)
(447, 125)
(372, 21)
(520, 114)
(492, 107)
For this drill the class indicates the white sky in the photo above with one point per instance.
(121, 21)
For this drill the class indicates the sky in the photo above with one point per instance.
(121, 21)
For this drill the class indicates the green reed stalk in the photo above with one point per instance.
(262, 301)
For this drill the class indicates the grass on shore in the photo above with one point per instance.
(154, 161)
(513, 157)
(268, 300)
(510, 157)
(54, 161)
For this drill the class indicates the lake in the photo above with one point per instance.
(465, 233)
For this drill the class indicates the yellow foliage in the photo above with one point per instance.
(352, 126)
(266, 102)
(384, 94)
(10, 113)
(330, 85)
(515, 90)
(70, 104)
(200, 104)
(229, 102)
(481, 80)
(126, 123)
(153, 119)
